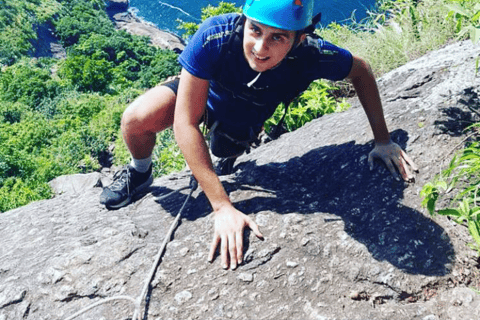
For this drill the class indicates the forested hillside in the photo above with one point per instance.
(61, 116)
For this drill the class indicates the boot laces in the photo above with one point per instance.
(120, 179)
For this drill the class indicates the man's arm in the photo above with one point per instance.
(365, 85)
(229, 222)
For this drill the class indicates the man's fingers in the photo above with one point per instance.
(229, 237)
(239, 242)
(395, 159)
(409, 161)
(404, 170)
(391, 168)
(224, 252)
(252, 225)
(232, 248)
(371, 155)
(213, 247)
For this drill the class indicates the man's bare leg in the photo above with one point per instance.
(150, 113)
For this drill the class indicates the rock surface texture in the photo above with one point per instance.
(341, 242)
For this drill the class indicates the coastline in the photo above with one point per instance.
(124, 18)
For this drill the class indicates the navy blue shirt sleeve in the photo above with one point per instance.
(201, 54)
(331, 62)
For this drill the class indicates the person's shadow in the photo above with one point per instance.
(336, 179)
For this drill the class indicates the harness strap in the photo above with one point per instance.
(246, 144)
(315, 20)
(227, 48)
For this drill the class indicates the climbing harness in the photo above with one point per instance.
(223, 145)
(138, 302)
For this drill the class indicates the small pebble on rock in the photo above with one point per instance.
(183, 297)
(245, 277)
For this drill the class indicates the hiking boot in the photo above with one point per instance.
(126, 183)
(224, 166)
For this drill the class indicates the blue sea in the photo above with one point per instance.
(165, 13)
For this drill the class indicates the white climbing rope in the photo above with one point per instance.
(96, 304)
(157, 259)
(138, 302)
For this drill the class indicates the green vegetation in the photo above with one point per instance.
(311, 104)
(80, 18)
(207, 12)
(16, 24)
(466, 13)
(399, 31)
(459, 183)
(63, 116)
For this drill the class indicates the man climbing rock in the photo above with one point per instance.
(236, 70)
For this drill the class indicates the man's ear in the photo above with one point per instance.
(299, 40)
(302, 37)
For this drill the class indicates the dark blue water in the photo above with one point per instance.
(164, 13)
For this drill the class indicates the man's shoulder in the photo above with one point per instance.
(323, 59)
(200, 56)
(214, 31)
(225, 18)
(219, 23)
(314, 45)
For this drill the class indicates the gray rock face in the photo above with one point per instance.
(341, 242)
(125, 20)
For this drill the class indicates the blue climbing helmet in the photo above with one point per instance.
(291, 15)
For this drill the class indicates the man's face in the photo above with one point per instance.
(265, 47)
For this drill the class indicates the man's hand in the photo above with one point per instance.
(393, 156)
(229, 226)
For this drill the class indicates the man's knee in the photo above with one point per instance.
(132, 116)
(151, 112)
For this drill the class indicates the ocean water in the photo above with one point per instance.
(165, 13)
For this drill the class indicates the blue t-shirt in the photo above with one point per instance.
(241, 108)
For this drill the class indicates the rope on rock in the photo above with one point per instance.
(96, 304)
(138, 302)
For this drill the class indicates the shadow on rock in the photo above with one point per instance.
(172, 201)
(335, 179)
(458, 120)
(462, 116)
